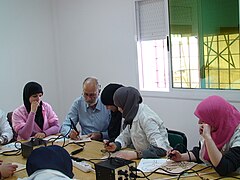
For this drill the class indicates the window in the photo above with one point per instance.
(152, 45)
(204, 44)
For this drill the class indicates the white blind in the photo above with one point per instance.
(151, 20)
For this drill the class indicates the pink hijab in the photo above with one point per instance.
(220, 115)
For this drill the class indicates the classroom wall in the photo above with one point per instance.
(27, 51)
(95, 38)
(60, 42)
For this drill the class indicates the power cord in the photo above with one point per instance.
(166, 172)
(195, 171)
(37, 141)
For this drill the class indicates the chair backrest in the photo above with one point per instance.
(177, 140)
(9, 118)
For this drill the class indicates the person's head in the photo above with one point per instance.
(127, 99)
(107, 96)
(215, 111)
(32, 91)
(221, 116)
(91, 90)
(50, 157)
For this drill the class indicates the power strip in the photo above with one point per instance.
(83, 166)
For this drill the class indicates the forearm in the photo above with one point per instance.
(52, 130)
(230, 162)
(195, 152)
(124, 138)
(73, 115)
(188, 156)
(214, 154)
(153, 152)
(105, 135)
(65, 129)
(26, 131)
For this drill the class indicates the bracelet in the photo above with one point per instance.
(139, 154)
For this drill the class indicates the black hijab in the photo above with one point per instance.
(50, 157)
(115, 124)
(127, 98)
(108, 92)
(30, 89)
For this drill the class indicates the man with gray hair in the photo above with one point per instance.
(89, 112)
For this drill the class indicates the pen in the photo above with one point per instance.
(170, 155)
(73, 126)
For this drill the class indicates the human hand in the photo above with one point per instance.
(7, 169)
(2, 140)
(205, 131)
(40, 135)
(129, 155)
(174, 155)
(95, 135)
(109, 146)
(74, 135)
(34, 106)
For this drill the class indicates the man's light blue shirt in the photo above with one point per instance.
(90, 120)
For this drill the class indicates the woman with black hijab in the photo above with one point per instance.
(35, 117)
(144, 128)
(115, 124)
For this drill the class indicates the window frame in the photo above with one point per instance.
(180, 93)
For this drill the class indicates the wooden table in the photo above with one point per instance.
(92, 150)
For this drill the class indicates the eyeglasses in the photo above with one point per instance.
(91, 95)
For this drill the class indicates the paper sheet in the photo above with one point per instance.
(10, 147)
(83, 138)
(177, 167)
(150, 165)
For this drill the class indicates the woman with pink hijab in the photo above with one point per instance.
(220, 131)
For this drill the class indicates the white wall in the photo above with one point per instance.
(95, 38)
(27, 51)
(60, 42)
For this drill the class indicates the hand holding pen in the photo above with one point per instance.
(174, 155)
(74, 134)
(109, 145)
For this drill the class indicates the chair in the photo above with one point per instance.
(9, 118)
(177, 140)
